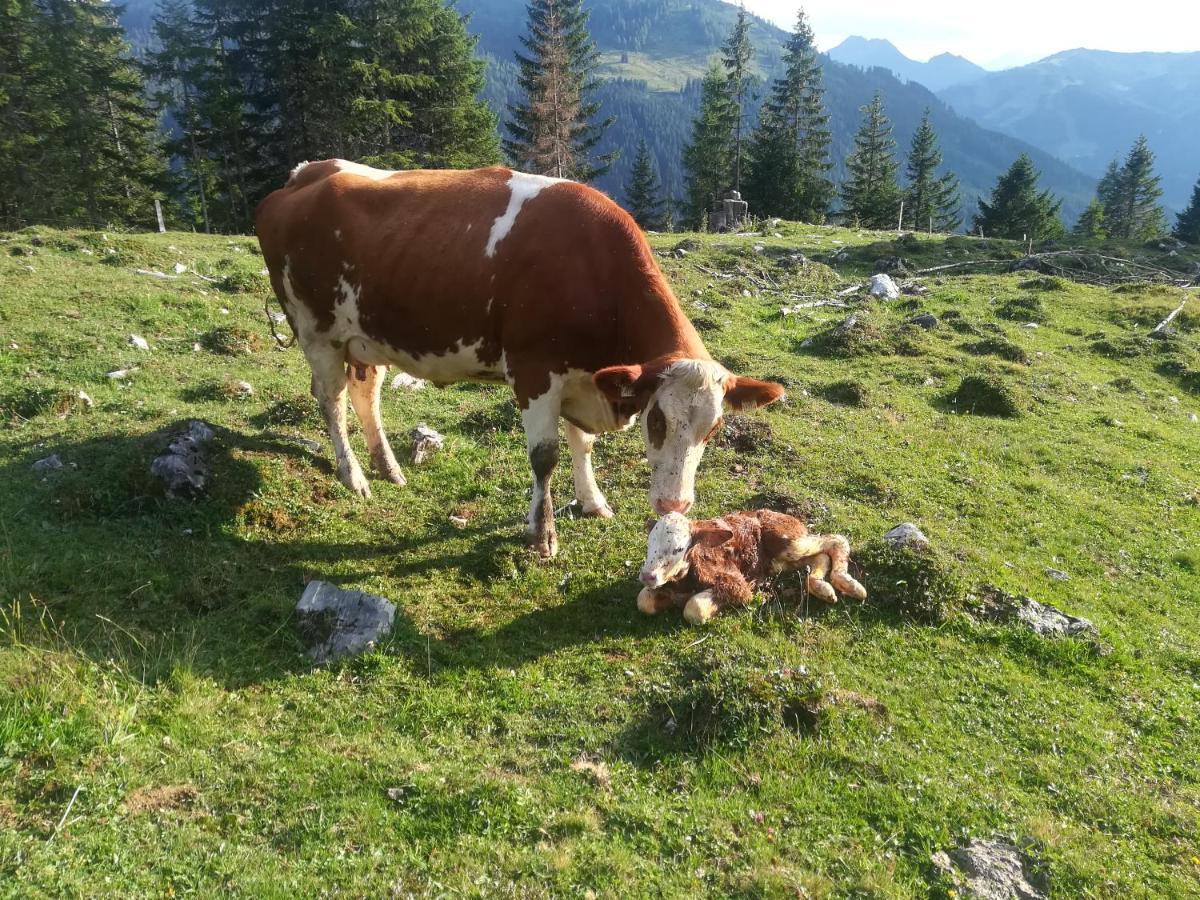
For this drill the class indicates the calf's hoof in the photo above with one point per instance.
(394, 475)
(645, 602)
(356, 482)
(822, 590)
(700, 608)
(545, 545)
(848, 586)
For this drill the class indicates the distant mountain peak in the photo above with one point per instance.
(940, 72)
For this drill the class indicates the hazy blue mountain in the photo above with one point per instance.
(940, 72)
(1088, 106)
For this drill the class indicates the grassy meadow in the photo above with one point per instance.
(524, 731)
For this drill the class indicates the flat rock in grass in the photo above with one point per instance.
(928, 321)
(183, 468)
(337, 623)
(425, 442)
(882, 286)
(404, 381)
(906, 535)
(51, 463)
(993, 869)
(136, 340)
(995, 605)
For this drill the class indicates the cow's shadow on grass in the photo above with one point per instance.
(125, 574)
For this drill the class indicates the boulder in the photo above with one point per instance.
(995, 605)
(906, 535)
(136, 340)
(994, 869)
(882, 286)
(337, 623)
(928, 321)
(50, 463)
(183, 468)
(893, 265)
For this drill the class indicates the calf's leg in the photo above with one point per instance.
(586, 491)
(540, 419)
(818, 568)
(652, 601)
(365, 383)
(700, 608)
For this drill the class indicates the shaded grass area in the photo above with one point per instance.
(148, 655)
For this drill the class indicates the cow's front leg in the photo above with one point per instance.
(586, 491)
(652, 601)
(540, 419)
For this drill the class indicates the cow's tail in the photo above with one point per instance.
(280, 343)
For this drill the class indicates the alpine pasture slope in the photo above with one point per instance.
(524, 731)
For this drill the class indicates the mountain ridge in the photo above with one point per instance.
(938, 72)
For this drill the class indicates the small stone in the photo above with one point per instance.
(86, 400)
(13, 345)
(1172, 399)
(883, 286)
(459, 521)
(48, 464)
(136, 340)
(928, 321)
(120, 374)
(995, 605)
(745, 293)
(425, 442)
(243, 389)
(180, 268)
(278, 318)
(224, 311)
(1031, 325)
(906, 535)
(1057, 575)
(912, 289)
(337, 623)
(759, 248)
(196, 348)
(1193, 417)
(404, 381)
(183, 467)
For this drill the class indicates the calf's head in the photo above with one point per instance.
(670, 539)
(682, 403)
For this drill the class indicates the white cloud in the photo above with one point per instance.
(997, 34)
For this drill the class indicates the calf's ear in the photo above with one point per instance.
(706, 535)
(743, 393)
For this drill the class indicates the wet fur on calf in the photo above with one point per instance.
(705, 566)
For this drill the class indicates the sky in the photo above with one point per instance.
(997, 35)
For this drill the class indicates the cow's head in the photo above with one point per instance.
(681, 402)
(670, 539)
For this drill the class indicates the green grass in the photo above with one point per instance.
(525, 731)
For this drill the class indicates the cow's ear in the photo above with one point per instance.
(705, 534)
(618, 383)
(749, 393)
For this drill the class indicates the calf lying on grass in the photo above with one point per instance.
(708, 565)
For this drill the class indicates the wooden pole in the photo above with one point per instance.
(900, 221)
(162, 225)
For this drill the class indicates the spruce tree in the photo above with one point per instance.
(870, 195)
(930, 201)
(1091, 222)
(708, 158)
(644, 194)
(1132, 211)
(1109, 186)
(789, 151)
(1017, 210)
(736, 53)
(1187, 226)
(553, 131)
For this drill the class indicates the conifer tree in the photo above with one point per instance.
(1017, 210)
(870, 194)
(552, 131)
(708, 158)
(736, 53)
(789, 151)
(930, 201)
(1187, 226)
(644, 194)
(1109, 186)
(1132, 210)
(1091, 222)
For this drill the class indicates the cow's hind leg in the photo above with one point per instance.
(838, 550)
(818, 568)
(329, 387)
(586, 491)
(540, 419)
(365, 383)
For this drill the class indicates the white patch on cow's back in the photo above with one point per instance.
(522, 187)
(296, 171)
(353, 168)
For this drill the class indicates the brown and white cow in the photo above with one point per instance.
(494, 275)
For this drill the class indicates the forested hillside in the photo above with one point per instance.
(653, 53)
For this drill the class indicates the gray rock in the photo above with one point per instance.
(1058, 574)
(906, 535)
(425, 442)
(136, 340)
(791, 261)
(407, 382)
(892, 265)
(928, 321)
(336, 623)
(841, 256)
(993, 869)
(995, 605)
(912, 289)
(183, 468)
(50, 463)
(883, 286)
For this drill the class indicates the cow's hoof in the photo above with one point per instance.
(700, 608)
(356, 482)
(848, 586)
(395, 476)
(603, 511)
(645, 602)
(544, 545)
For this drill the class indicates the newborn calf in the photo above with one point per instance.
(708, 565)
